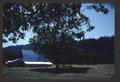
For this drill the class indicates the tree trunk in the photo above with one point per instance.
(70, 65)
(57, 66)
(63, 65)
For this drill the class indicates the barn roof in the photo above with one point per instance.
(29, 55)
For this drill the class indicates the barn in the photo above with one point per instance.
(29, 58)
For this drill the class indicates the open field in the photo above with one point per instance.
(82, 72)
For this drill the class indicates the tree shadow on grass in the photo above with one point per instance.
(62, 70)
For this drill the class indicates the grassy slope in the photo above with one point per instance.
(96, 72)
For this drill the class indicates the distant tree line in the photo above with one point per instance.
(14, 52)
(97, 51)
(11, 54)
(88, 51)
(92, 51)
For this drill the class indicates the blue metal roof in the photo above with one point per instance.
(29, 55)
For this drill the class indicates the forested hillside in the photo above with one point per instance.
(88, 51)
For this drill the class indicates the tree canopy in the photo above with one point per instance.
(57, 26)
(18, 18)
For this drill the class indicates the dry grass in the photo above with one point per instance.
(95, 72)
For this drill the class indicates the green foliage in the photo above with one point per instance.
(58, 40)
(18, 18)
(56, 26)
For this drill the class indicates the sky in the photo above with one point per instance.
(104, 26)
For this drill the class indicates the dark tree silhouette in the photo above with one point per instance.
(98, 51)
(56, 26)
(18, 18)
(10, 54)
(57, 40)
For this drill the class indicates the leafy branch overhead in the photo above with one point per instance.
(57, 27)
(46, 19)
